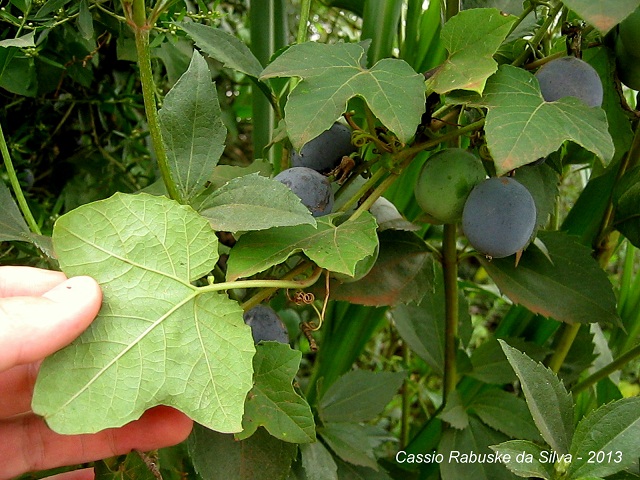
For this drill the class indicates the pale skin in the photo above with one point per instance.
(41, 311)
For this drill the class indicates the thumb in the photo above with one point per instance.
(33, 327)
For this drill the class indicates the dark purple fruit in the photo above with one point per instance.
(266, 325)
(312, 187)
(499, 217)
(570, 77)
(325, 152)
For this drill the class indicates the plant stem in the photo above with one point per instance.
(369, 184)
(305, 8)
(275, 284)
(136, 17)
(568, 334)
(417, 148)
(406, 400)
(542, 31)
(15, 185)
(617, 364)
(377, 193)
(450, 273)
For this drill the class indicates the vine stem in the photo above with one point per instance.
(450, 276)
(535, 41)
(305, 8)
(605, 371)
(15, 185)
(136, 17)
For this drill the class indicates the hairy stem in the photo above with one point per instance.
(605, 371)
(450, 273)
(15, 185)
(136, 17)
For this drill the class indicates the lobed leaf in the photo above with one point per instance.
(521, 127)
(273, 403)
(333, 74)
(253, 202)
(570, 288)
(603, 15)
(157, 340)
(550, 404)
(192, 129)
(472, 38)
(335, 247)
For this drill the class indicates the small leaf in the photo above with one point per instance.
(471, 37)
(192, 128)
(24, 41)
(613, 431)
(458, 446)
(335, 247)
(253, 202)
(505, 413)
(349, 441)
(259, 457)
(12, 224)
(521, 127)
(85, 21)
(224, 47)
(273, 403)
(572, 289)
(157, 340)
(318, 463)
(603, 16)
(550, 404)
(524, 459)
(359, 395)
(404, 272)
(333, 74)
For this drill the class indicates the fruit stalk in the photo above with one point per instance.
(450, 274)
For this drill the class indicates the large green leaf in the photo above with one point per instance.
(317, 461)
(472, 37)
(359, 395)
(523, 458)
(192, 128)
(157, 338)
(224, 47)
(219, 456)
(253, 202)
(273, 403)
(335, 247)
(550, 404)
(331, 75)
(603, 15)
(521, 127)
(569, 286)
(611, 432)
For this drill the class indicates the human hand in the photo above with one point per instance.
(40, 312)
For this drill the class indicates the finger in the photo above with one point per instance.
(32, 446)
(84, 474)
(16, 385)
(27, 281)
(33, 327)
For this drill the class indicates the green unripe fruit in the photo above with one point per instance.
(445, 181)
(570, 77)
(629, 33)
(499, 217)
(628, 66)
